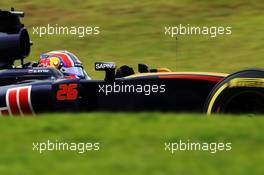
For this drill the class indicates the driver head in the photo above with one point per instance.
(64, 61)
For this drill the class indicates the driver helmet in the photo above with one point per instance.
(65, 62)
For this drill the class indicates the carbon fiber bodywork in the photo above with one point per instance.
(50, 92)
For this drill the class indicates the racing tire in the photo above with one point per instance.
(240, 92)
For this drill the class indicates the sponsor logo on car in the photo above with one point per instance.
(38, 71)
(104, 65)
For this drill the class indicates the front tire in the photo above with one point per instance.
(241, 92)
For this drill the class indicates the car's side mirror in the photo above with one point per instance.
(142, 68)
(109, 69)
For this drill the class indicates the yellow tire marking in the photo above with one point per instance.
(209, 110)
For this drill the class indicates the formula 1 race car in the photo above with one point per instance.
(33, 88)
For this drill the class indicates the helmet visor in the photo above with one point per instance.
(78, 71)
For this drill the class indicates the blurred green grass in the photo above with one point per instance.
(133, 32)
(131, 143)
